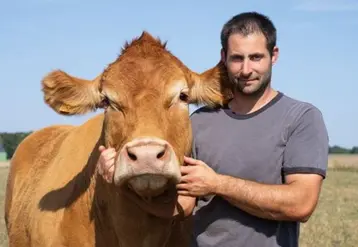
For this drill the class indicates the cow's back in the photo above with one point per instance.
(41, 166)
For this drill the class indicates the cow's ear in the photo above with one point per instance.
(211, 88)
(69, 95)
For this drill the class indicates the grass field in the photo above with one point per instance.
(334, 223)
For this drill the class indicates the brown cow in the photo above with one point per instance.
(55, 196)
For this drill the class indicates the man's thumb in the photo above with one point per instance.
(101, 148)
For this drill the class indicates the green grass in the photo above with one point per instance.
(334, 223)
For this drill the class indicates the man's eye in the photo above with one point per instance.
(236, 59)
(256, 58)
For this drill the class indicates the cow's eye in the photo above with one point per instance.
(104, 103)
(184, 97)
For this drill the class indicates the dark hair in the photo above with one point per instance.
(248, 23)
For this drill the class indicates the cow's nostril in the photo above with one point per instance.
(161, 154)
(146, 153)
(132, 156)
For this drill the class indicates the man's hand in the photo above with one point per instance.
(198, 179)
(106, 163)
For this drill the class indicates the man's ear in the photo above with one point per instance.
(211, 87)
(223, 56)
(69, 95)
(275, 55)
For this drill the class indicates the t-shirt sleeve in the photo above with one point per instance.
(193, 150)
(307, 145)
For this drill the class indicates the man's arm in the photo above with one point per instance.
(293, 201)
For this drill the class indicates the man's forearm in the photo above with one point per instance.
(276, 202)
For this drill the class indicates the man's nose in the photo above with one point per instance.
(246, 69)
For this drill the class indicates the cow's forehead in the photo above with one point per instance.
(145, 67)
(146, 62)
(144, 75)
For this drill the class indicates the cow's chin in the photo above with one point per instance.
(153, 188)
(150, 187)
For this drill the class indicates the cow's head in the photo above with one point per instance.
(146, 93)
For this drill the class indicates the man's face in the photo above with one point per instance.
(249, 63)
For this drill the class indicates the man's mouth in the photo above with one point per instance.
(247, 80)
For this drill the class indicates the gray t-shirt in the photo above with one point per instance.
(285, 136)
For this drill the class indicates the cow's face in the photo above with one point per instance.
(145, 92)
(147, 121)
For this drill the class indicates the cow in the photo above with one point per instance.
(55, 195)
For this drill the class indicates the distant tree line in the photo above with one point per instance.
(10, 142)
(341, 150)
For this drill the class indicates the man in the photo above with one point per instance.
(258, 162)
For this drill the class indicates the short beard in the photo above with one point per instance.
(236, 88)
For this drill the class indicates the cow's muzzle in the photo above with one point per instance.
(148, 166)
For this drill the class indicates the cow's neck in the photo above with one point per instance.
(119, 220)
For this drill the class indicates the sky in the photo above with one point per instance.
(317, 39)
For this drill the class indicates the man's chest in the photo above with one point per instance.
(242, 150)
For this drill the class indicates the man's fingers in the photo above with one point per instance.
(108, 172)
(101, 148)
(109, 178)
(106, 163)
(182, 186)
(100, 170)
(186, 169)
(191, 161)
(185, 179)
(106, 166)
(184, 193)
(110, 152)
(107, 157)
(111, 170)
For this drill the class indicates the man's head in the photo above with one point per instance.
(249, 50)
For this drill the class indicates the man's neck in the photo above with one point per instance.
(246, 104)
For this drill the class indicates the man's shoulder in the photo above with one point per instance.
(298, 108)
(206, 117)
(204, 112)
(303, 116)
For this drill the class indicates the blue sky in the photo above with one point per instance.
(317, 39)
